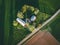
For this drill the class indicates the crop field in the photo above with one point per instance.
(10, 35)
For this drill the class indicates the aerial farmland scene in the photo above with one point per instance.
(30, 22)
